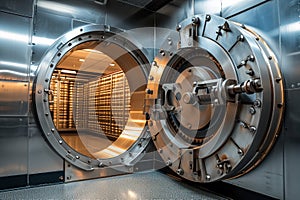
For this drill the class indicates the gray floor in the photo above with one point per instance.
(147, 185)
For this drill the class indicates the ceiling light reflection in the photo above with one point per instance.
(42, 40)
(14, 36)
(55, 6)
(13, 64)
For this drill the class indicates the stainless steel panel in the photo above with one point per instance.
(268, 177)
(42, 158)
(173, 13)
(208, 7)
(266, 24)
(290, 39)
(15, 51)
(292, 147)
(13, 98)
(18, 7)
(88, 11)
(14, 146)
(47, 28)
(231, 8)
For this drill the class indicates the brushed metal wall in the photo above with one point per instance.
(15, 22)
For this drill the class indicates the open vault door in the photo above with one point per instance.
(214, 99)
(89, 97)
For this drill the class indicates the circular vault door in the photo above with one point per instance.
(89, 98)
(214, 99)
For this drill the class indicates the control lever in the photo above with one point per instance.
(219, 90)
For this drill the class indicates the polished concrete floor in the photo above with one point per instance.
(142, 186)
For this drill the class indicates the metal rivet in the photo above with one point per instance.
(149, 91)
(208, 17)
(154, 63)
(52, 130)
(196, 20)
(278, 79)
(169, 163)
(47, 114)
(251, 58)
(162, 52)
(51, 65)
(257, 103)
(160, 150)
(252, 129)
(60, 141)
(241, 38)
(243, 124)
(270, 58)
(208, 177)
(240, 152)
(77, 157)
(46, 80)
(40, 91)
(101, 164)
(178, 27)
(252, 110)
(280, 105)
(180, 172)
(151, 78)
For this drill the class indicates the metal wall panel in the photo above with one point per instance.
(13, 98)
(42, 159)
(268, 177)
(289, 12)
(292, 147)
(173, 13)
(232, 8)
(15, 54)
(14, 146)
(18, 7)
(266, 24)
(14, 40)
(208, 7)
(290, 39)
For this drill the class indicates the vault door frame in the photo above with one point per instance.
(78, 166)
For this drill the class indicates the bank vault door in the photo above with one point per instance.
(215, 99)
(89, 101)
